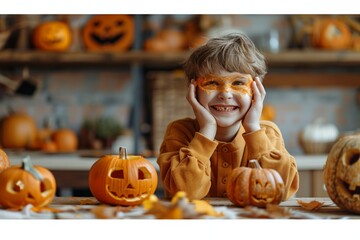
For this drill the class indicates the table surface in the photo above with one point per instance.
(90, 208)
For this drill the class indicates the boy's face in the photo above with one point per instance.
(227, 96)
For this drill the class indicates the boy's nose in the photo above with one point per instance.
(225, 95)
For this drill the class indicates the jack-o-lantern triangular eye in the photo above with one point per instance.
(118, 174)
(119, 23)
(143, 173)
(353, 159)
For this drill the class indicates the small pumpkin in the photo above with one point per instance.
(331, 33)
(109, 33)
(268, 112)
(166, 40)
(341, 173)
(255, 186)
(52, 36)
(65, 140)
(4, 160)
(18, 130)
(318, 136)
(26, 184)
(122, 179)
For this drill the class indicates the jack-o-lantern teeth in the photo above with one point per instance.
(18, 186)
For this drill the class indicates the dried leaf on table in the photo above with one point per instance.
(105, 212)
(311, 206)
(88, 201)
(271, 211)
(180, 207)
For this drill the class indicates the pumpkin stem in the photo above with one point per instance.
(122, 153)
(253, 163)
(28, 166)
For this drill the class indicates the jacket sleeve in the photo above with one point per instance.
(267, 146)
(184, 161)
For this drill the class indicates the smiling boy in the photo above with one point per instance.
(226, 94)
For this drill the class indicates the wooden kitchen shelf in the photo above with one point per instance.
(308, 58)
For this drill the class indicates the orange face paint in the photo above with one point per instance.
(231, 83)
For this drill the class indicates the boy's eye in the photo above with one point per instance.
(238, 83)
(211, 83)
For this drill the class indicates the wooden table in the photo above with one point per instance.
(83, 208)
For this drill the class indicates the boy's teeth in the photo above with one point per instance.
(224, 109)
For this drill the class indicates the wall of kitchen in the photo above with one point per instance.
(71, 95)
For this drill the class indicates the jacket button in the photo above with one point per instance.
(225, 164)
(224, 180)
(225, 149)
(275, 155)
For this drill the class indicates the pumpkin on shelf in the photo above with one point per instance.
(268, 112)
(18, 131)
(26, 184)
(122, 179)
(4, 160)
(318, 136)
(109, 33)
(65, 140)
(331, 33)
(255, 186)
(341, 173)
(53, 36)
(166, 40)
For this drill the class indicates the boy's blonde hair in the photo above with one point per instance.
(233, 53)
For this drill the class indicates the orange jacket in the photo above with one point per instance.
(192, 163)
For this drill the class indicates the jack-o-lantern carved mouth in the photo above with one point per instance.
(351, 189)
(53, 41)
(128, 197)
(262, 199)
(106, 40)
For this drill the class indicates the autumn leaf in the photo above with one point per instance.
(311, 206)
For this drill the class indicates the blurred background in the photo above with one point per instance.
(117, 79)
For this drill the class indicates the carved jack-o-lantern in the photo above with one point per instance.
(342, 173)
(109, 33)
(122, 180)
(52, 36)
(26, 184)
(255, 186)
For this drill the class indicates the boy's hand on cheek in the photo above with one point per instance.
(206, 121)
(251, 121)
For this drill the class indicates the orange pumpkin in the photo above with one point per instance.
(52, 36)
(26, 184)
(49, 146)
(109, 33)
(65, 140)
(4, 160)
(122, 180)
(341, 173)
(255, 186)
(268, 112)
(331, 33)
(18, 131)
(166, 40)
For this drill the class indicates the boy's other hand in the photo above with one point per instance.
(251, 121)
(206, 121)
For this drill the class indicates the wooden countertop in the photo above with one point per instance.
(90, 208)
